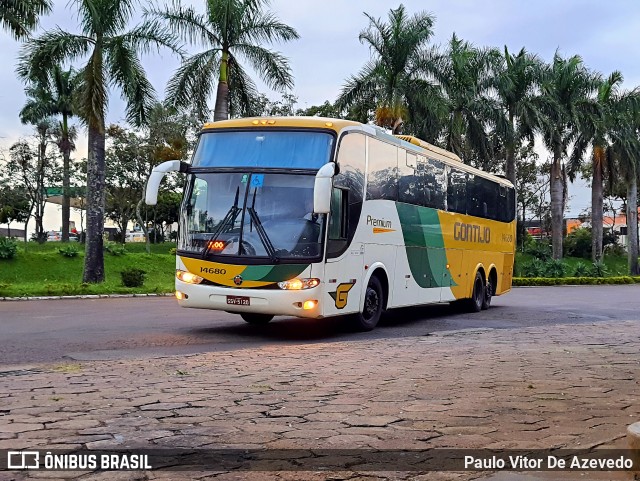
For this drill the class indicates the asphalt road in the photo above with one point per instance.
(121, 328)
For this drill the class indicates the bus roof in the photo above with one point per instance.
(427, 146)
(304, 122)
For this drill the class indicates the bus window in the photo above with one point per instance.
(457, 191)
(435, 185)
(409, 186)
(338, 216)
(382, 181)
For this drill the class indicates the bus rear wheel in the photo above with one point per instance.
(256, 319)
(477, 297)
(488, 294)
(373, 306)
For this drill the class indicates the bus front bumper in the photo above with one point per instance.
(278, 302)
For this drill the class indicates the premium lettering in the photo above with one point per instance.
(378, 222)
(471, 233)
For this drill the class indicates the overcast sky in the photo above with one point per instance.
(605, 34)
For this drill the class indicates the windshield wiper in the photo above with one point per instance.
(268, 245)
(229, 220)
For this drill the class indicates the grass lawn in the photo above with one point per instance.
(616, 265)
(41, 270)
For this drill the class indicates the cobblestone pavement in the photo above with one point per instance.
(573, 386)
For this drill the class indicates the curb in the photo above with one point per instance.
(88, 296)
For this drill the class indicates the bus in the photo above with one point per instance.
(316, 217)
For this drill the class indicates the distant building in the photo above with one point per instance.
(5, 232)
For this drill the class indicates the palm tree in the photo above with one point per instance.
(20, 17)
(113, 62)
(391, 81)
(626, 152)
(52, 98)
(565, 90)
(604, 128)
(231, 32)
(463, 73)
(515, 83)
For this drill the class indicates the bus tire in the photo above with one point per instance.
(477, 296)
(256, 319)
(488, 294)
(373, 306)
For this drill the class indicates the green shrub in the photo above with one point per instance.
(539, 249)
(8, 248)
(133, 277)
(115, 249)
(70, 250)
(598, 269)
(547, 281)
(555, 268)
(614, 250)
(173, 251)
(578, 243)
(535, 268)
(581, 270)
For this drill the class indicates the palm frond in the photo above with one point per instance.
(54, 47)
(127, 73)
(272, 66)
(190, 26)
(193, 83)
(266, 28)
(150, 36)
(20, 17)
(243, 93)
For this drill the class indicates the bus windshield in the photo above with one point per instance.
(264, 148)
(258, 215)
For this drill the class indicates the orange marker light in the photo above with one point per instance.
(309, 304)
(216, 245)
(181, 296)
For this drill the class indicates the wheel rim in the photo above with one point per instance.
(371, 304)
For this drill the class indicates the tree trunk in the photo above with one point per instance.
(510, 167)
(632, 226)
(94, 255)
(66, 197)
(596, 205)
(221, 111)
(557, 204)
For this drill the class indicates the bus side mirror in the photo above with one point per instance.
(157, 174)
(322, 189)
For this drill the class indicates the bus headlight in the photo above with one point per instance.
(298, 284)
(188, 277)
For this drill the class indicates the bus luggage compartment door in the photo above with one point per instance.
(342, 289)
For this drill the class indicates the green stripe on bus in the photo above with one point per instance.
(273, 273)
(424, 245)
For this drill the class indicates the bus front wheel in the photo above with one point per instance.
(478, 296)
(373, 306)
(256, 319)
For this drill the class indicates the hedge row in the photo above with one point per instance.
(555, 281)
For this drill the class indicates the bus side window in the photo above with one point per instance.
(338, 220)
(339, 217)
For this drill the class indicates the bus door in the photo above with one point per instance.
(344, 268)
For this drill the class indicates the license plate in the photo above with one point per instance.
(239, 300)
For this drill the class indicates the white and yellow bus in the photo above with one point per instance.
(315, 217)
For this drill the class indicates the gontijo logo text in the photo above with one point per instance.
(471, 233)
